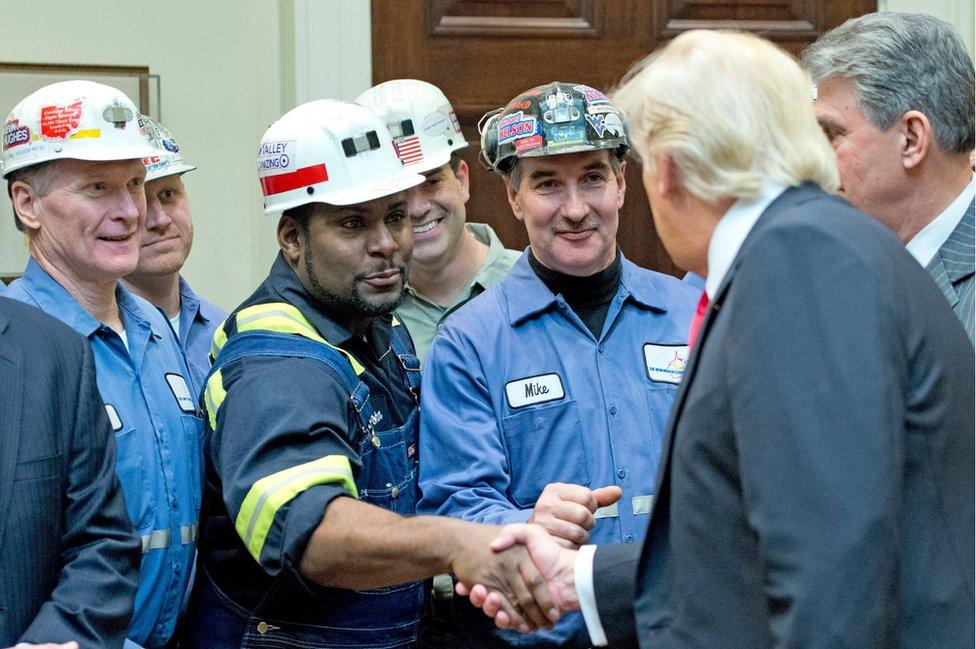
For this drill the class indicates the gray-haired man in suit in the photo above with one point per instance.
(894, 94)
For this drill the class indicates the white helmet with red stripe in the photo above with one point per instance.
(329, 151)
(83, 120)
(424, 127)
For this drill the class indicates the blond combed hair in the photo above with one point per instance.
(730, 109)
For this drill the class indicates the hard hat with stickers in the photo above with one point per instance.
(329, 151)
(168, 160)
(83, 120)
(552, 119)
(424, 127)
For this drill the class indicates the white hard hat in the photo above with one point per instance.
(73, 119)
(168, 160)
(329, 151)
(423, 124)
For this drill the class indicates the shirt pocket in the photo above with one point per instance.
(660, 399)
(545, 444)
(131, 470)
(193, 434)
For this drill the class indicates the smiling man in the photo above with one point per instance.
(166, 242)
(73, 164)
(452, 261)
(558, 379)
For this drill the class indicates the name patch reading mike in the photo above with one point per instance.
(533, 390)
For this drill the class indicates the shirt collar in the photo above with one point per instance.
(926, 244)
(527, 295)
(732, 229)
(484, 234)
(51, 297)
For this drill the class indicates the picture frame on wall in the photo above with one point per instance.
(17, 80)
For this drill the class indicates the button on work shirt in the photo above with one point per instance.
(423, 316)
(517, 393)
(158, 435)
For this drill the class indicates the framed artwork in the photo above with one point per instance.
(17, 80)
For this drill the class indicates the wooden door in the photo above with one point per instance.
(482, 53)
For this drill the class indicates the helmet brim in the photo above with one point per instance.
(355, 195)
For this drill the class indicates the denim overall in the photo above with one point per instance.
(291, 614)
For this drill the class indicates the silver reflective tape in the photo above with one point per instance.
(189, 533)
(642, 504)
(155, 540)
(610, 511)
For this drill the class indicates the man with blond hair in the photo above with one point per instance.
(816, 487)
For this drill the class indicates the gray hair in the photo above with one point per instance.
(899, 62)
(39, 176)
(514, 176)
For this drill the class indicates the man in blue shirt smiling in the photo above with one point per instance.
(76, 183)
(557, 381)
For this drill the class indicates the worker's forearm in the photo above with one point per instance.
(359, 546)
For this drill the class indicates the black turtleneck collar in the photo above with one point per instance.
(589, 297)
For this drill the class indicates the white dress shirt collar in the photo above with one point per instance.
(927, 242)
(732, 230)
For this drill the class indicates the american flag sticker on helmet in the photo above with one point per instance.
(409, 150)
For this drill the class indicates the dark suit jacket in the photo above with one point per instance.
(952, 269)
(817, 488)
(69, 558)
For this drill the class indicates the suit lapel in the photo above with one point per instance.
(955, 259)
(11, 387)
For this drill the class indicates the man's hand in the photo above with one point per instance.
(566, 510)
(522, 597)
(555, 563)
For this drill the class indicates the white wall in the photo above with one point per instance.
(960, 13)
(221, 85)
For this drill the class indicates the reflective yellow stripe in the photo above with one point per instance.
(219, 340)
(266, 497)
(213, 396)
(279, 317)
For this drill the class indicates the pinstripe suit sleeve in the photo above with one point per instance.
(93, 599)
(952, 269)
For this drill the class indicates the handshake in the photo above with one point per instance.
(536, 583)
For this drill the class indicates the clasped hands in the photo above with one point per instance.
(560, 523)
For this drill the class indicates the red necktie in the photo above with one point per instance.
(696, 321)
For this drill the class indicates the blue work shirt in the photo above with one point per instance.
(158, 434)
(517, 393)
(199, 320)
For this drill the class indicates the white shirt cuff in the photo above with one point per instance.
(583, 576)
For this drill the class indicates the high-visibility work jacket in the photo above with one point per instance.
(379, 466)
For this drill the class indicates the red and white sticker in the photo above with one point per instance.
(58, 122)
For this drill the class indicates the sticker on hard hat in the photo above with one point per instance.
(592, 94)
(527, 143)
(607, 123)
(281, 183)
(516, 126)
(275, 155)
(15, 134)
(436, 123)
(58, 122)
(565, 135)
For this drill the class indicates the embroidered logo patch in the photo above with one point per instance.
(665, 363)
(113, 417)
(182, 392)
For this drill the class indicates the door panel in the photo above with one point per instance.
(482, 53)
